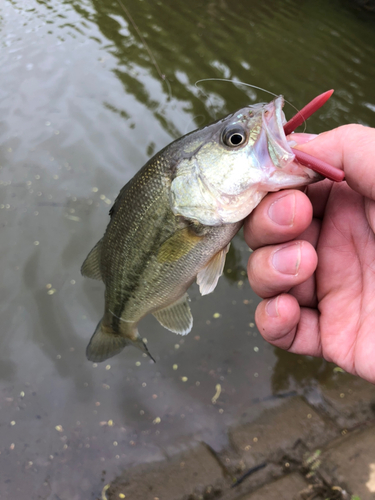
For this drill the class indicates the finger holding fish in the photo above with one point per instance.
(279, 217)
(278, 268)
(283, 323)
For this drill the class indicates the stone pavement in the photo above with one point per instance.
(293, 450)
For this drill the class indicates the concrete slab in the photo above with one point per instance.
(280, 431)
(286, 488)
(195, 472)
(350, 400)
(350, 462)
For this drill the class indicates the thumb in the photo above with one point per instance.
(350, 148)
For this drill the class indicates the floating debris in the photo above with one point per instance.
(175, 367)
(184, 379)
(73, 218)
(104, 496)
(217, 394)
(157, 420)
(216, 315)
(59, 428)
(108, 367)
(337, 369)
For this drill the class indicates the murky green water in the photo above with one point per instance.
(82, 108)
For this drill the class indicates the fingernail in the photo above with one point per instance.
(288, 259)
(283, 213)
(271, 308)
(296, 139)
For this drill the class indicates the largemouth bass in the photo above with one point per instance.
(173, 222)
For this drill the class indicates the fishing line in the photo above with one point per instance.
(151, 55)
(247, 85)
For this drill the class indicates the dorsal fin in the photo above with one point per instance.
(208, 277)
(177, 317)
(91, 265)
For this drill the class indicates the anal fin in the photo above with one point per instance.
(177, 317)
(91, 266)
(208, 277)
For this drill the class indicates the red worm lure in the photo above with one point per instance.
(320, 166)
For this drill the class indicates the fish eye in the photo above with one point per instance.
(234, 137)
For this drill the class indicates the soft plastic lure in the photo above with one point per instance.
(320, 166)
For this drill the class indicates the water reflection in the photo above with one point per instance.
(297, 372)
(82, 109)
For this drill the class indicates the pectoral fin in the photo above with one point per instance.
(208, 277)
(177, 317)
(91, 265)
(178, 245)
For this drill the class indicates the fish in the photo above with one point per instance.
(173, 222)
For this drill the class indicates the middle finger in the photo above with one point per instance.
(276, 269)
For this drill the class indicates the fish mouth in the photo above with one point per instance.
(286, 171)
(273, 119)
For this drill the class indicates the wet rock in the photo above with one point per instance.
(350, 400)
(286, 488)
(350, 462)
(286, 431)
(192, 475)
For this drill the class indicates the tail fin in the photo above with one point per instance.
(104, 344)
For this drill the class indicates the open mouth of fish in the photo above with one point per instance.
(281, 168)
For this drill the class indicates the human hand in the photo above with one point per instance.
(314, 257)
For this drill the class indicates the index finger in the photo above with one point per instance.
(352, 148)
(279, 217)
